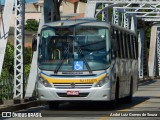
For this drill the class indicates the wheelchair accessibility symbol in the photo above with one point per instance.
(78, 65)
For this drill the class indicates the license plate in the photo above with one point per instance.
(72, 92)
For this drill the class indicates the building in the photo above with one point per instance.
(32, 11)
(69, 9)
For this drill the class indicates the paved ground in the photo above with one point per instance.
(146, 102)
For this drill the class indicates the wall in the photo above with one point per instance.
(81, 7)
(35, 16)
(67, 8)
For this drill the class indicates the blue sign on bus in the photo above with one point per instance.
(78, 65)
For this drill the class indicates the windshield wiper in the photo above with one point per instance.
(66, 52)
(84, 59)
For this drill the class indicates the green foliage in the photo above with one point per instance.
(32, 25)
(27, 55)
(6, 78)
(8, 65)
(27, 61)
(100, 6)
(99, 17)
(26, 70)
(148, 33)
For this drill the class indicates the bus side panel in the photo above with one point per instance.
(117, 76)
(113, 76)
(123, 71)
(135, 75)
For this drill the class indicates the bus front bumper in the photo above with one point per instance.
(91, 94)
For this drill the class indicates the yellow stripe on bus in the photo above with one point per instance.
(75, 80)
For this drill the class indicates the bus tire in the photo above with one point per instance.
(113, 103)
(53, 105)
(128, 99)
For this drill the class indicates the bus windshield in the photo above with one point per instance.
(76, 48)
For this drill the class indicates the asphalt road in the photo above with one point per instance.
(145, 106)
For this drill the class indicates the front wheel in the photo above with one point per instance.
(113, 103)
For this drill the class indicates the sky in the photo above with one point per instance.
(27, 1)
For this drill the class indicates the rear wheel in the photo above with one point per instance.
(53, 105)
(128, 99)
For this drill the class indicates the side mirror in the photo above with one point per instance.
(34, 43)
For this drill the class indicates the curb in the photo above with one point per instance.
(21, 106)
(146, 82)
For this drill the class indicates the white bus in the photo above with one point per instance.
(86, 60)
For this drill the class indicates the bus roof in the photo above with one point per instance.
(65, 23)
(123, 29)
(89, 22)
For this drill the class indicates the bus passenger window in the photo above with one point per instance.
(125, 45)
(136, 43)
(122, 45)
(131, 43)
(135, 48)
(113, 44)
(118, 44)
(129, 46)
(132, 47)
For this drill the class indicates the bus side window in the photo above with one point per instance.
(135, 48)
(125, 44)
(120, 44)
(113, 47)
(132, 46)
(129, 46)
(136, 43)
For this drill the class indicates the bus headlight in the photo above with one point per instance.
(102, 82)
(44, 82)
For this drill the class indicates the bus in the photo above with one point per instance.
(86, 60)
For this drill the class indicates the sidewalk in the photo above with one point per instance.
(10, 107)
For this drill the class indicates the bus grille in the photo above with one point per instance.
(69, 86)
(65, 95)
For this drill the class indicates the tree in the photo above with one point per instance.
(8, 65)
(57, 4)
(32, 25)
